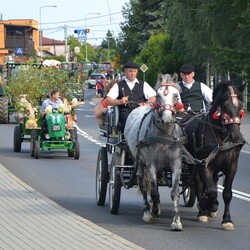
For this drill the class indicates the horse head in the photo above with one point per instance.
(227, 108)
(168, 98)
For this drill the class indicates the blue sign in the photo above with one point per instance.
(19, 51)
(81, 34)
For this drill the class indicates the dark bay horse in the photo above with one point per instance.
(215, 139)
(154, 136)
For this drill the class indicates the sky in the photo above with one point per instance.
(97, 15)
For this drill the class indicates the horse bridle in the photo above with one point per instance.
(227, 120)
(173, 108)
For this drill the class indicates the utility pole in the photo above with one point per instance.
(66, 43)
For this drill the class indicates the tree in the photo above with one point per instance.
(109, 42)
(142, 18)
(211, 32)
(158, 56)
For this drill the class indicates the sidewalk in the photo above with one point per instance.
(29, 220)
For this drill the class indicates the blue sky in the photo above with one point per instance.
(72, 13)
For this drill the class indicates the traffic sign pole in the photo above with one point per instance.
(144, 68)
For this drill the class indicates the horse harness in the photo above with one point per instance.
(226, 120)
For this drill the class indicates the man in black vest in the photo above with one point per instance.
(195, 95)
(130, 89)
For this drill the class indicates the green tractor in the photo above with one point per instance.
(10, 69)
(56, 132)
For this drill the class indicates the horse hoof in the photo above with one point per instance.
(229, 226)
(202, 218)
(176, 227)
(147, 217)
(213, 214)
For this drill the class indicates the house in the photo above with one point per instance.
(20, 39)
(53, 47)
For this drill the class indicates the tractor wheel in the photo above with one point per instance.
(37, 150)
(4, 113)
(102, 176)
(33, 138)
(76, 150)
(114, 185)
(73, 134)
(17, 143)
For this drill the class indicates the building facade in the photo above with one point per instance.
(19, 40)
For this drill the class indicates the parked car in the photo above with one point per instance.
(91, 82)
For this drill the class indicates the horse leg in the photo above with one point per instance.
(176, 224)
(227, 223)
(210, 202)
(213, 208)
(154, 193)
(147, 216)
(200, 192)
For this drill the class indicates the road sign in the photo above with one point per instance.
(144, 68)
(19, 51)
(81, 34)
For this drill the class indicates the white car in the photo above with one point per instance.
(91, 82)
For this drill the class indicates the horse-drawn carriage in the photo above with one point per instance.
(150, 153)
(126, 151)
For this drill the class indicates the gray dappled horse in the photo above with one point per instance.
(154, 136)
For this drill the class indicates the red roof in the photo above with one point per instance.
(49, 41)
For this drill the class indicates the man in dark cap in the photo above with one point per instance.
(194, 95)
(130, 89)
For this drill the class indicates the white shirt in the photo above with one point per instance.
(206, 92)
(147, 89)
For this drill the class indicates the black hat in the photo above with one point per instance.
(187, 68)
(131, 65)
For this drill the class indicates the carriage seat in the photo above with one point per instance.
(110, 128)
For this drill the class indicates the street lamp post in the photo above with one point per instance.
(86, 32)
(40, 20)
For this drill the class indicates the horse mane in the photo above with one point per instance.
(220, 93)
(166, 78)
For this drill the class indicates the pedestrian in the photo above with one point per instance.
(98, 88)
(195, 95)
(130, 89)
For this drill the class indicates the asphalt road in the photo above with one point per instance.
(71, 183)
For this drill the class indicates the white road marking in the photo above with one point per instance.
(237, 194)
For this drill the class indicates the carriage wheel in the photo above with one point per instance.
(102, 176)
(33, 138)
(114, 185)
(17, 139)
(189, 196)
(37, 149)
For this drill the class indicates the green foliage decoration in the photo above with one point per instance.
(36, 84)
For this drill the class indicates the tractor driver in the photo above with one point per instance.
(54, 101)
(130, 89)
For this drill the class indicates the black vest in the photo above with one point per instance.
(192, 97)
(135, 95)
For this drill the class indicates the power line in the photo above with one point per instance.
(83, 19)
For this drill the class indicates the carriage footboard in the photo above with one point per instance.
(127, 176)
